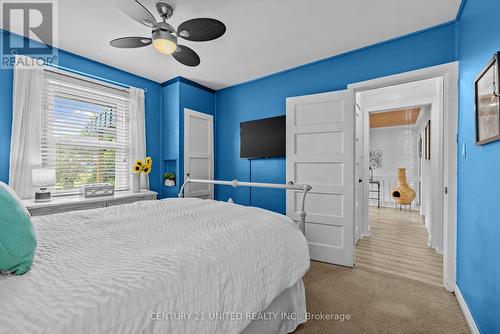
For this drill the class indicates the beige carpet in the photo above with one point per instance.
(377, 302)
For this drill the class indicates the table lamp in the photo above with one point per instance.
(43, 178)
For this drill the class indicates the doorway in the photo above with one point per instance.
(423, 142)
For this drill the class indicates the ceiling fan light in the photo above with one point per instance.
(164, 42)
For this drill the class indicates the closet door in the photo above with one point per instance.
(198, 153)
(320, 152)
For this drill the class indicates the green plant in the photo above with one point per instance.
(169, 176)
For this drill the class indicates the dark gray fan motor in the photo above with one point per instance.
(164, 36)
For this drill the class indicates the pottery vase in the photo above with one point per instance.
(169, 183)
(136, 183)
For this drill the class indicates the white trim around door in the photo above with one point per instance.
(448, 168)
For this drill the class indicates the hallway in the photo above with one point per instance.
(398, 246)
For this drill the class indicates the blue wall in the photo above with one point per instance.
(170, 134)
(478, 230)
(78, 63)
(180, 93)
(266, 97)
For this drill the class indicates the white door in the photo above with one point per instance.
(198, 153)
(320, 152)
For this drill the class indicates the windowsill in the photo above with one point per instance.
(62, 195)
(62, 200)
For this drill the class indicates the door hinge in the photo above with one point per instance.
(446, 190)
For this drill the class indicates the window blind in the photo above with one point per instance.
(85, 133)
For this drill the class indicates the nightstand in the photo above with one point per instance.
(60, 204)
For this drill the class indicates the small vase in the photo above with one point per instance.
(136, 183)
(169, 183)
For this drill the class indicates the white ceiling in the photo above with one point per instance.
(402, 96)
(263, 36)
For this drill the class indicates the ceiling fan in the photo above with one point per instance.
(164, 36)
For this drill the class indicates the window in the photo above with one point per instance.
(85, 133)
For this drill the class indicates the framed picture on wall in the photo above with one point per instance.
(487, 103)
(427, 141)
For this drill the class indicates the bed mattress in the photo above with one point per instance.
(169, 266)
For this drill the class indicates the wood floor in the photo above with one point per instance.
(398, 246)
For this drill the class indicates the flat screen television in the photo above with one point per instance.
(263, 138)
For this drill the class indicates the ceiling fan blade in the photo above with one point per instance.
(131, 42)
(186, 56)
(138, 12)
(201, 29)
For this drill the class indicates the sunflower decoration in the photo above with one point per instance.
(148, 163)
(145, 166)
(138, 167)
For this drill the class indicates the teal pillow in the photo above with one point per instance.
(17, 236)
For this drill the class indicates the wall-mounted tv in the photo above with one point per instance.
(263, 138)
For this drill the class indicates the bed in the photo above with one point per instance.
(169, 266)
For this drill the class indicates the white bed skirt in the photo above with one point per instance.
(284, 314)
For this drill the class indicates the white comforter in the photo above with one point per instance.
(112, 270)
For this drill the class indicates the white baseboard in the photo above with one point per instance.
(466, 311)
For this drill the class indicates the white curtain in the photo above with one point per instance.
(26, 124)
(138, 131)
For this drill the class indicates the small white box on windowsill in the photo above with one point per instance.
(97, 190)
